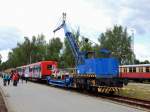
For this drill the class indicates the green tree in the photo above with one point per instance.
(118, 42)
(85, 44)
(136, 61)
(29, 51)
(38, 48)
(0, 58)
(53, 49)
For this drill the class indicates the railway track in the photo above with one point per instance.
(121, 99)
(130, 101)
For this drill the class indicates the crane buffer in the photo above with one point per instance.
(91, 72)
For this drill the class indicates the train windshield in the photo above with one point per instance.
(37, 67)
(49, 67)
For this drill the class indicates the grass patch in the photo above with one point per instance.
(136, 90)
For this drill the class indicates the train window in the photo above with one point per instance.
(147, 69)
(36, 68)
(49, 67)
(125, 70)
(39, 68)
(140, 69)
(130, 69)
(121, 70)
(134, 69)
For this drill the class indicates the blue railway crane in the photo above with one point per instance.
(72, 42)
(92, 72)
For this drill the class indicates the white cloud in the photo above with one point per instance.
(9, 36)
(32, 17)
(142, 52)
(4, 54)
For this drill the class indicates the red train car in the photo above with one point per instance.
(139, 72)
(39, 70)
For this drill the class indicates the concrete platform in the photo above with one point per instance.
(2, 103)
(32, 97)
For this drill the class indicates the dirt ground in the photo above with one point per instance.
(2, 104)
(136, 90)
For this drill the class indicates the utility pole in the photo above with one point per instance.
(45, 57)
(132, 45)
(30, 59)
(0, 58)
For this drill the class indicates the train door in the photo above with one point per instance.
(27, 72)
(31, 71)
(37, 71)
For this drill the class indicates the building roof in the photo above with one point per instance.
(137, 65)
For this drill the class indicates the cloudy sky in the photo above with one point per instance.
(19, 18)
